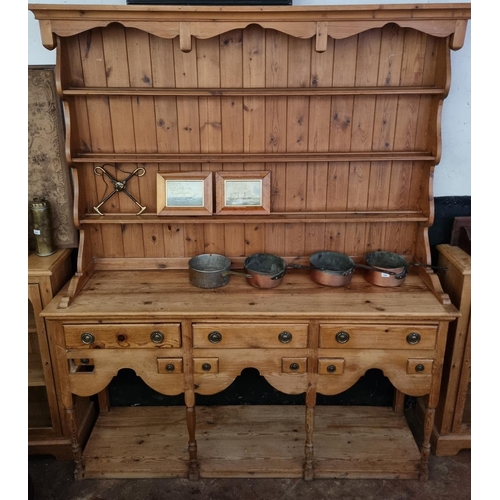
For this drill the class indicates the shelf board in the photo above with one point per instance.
(243, 92)
(252, 157)
(36, 377)
(138, 442)
(274, 218)
(251, 441)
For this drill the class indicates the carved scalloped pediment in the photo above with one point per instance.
(338, 22)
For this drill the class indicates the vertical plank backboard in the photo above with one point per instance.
(256, 58)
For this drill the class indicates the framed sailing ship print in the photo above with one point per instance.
(184, 193)
(243, 192)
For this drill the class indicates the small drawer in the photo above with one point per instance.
(294, 365)
(419, 366)
(243, 335)
(331, 366)
(161, 335)
(206, 365)
(342, 336)
(169, 366)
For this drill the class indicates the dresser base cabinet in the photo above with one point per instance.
(295, 342)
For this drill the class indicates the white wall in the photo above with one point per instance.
(452, 175)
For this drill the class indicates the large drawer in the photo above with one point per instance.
(351, 336)
(243, 335)
(145, 335)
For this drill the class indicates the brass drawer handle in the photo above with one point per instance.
(342, 337)
(206, 367)
(331, 368)
(170, 367)
(87, 338)
(419, 368)
(215, 337)
(157, 337)
(285, 337)
(413, 338)
(294, 367)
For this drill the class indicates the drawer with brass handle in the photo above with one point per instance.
(294, 365)
(331, 366)
(206, 365)
(150, 335)
(169, 366)
(243, 335)
(416, 366)
(377, 336)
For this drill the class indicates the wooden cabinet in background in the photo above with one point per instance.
(452, 426)
(47, 427)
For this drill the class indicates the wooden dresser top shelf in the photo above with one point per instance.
(168, 294)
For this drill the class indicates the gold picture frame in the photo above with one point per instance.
(184, 193)
(243, 192)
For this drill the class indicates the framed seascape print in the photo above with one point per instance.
(184, 193)
(243, 192)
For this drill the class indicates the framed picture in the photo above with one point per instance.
(243, 192)
(184, 193)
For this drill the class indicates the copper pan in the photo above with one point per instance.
(265, 270)
(386, 269)
(329, 268)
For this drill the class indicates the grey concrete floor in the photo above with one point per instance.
(449, 478)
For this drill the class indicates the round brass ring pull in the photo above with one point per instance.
(285, 337)
(157, 337)
(215, 337)
(342, 337)
(413, 338)
(87, 338)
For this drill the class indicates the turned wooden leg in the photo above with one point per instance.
(426, 443)
(309, 447)
(103, 400)
(75, 445)
(194, 472)
(399, 402)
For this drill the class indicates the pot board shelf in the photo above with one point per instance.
(252, 441)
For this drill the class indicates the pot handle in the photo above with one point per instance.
(300, 266)
(398, 276)
(375, 268)
(279, 275)
(226, 273)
